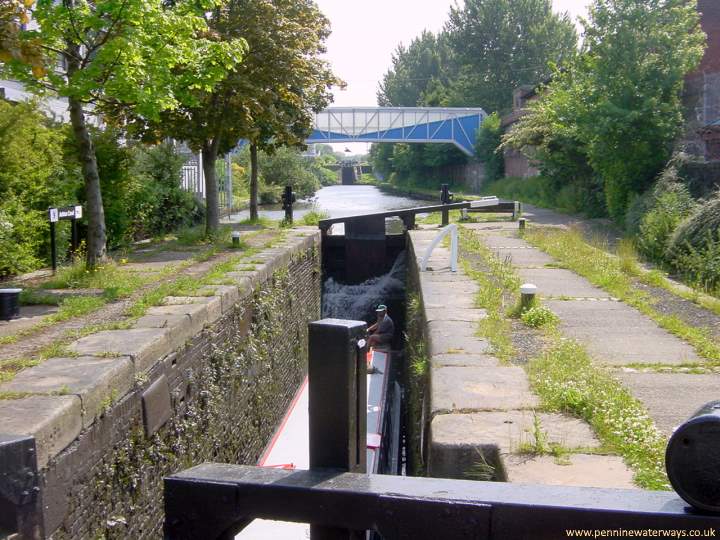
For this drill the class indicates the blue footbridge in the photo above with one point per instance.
(456, 126)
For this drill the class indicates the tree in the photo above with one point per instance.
(267, 100)
(13, 15)
(499, 45)
(487, 148)
(144, 56)
(613, 115)
(414, 69)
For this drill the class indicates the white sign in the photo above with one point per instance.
(485, 201)
(53, 215)
(78, 212)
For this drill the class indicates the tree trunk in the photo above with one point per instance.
(212, 215)
(253, 182)
(96, 237)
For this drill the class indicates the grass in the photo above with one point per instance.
(76, 306)
(615, 273)
(496, 327)
(314, 216)
(115, 281)
(262, 221)
(566, 379)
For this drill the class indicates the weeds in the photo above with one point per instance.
(567, 381)
(615, 275)
(112, 279)
(538, 316)
(495, 327)
(564, 376)
(314, 216)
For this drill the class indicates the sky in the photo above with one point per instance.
(365, 34)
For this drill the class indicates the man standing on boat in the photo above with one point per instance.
(382, 332)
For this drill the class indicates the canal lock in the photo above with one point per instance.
(346, 298)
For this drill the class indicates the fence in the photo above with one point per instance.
(193, 178)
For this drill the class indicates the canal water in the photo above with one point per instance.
(338, 201)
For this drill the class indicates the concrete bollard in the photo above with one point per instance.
(236, 239)
(522, 222)
(528, 293)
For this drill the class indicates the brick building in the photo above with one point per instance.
(516, 163)
(702, 90)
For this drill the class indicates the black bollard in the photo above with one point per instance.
(692, 459)
(9, 304)
(288, 199)
(445, 198)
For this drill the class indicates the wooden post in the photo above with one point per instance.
(337, 376)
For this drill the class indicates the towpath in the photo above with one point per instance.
(663, 371)
(485, 422)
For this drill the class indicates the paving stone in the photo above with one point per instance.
(509, 430)
(583, 470)
(494, 227)
(464, 360)
(444, 300)
(92, 379)
(54, 421)
(454, 314)
(196, 312)
(245, 280)
(179, 327)
(497, 241)
(459, 288)
(618, 334)
(449, 328)
(29, 317)
(468, 389)
(445, 275)
(445, 343)
(146, 346)
(671, 398)
(212, 303)
(228, 294)
(559, 282)
(525, 257)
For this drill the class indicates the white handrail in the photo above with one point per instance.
(450, 229)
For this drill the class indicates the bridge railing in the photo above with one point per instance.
(216, 501)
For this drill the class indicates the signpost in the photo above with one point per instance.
(72, 213)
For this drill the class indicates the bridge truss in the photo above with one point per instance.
(456, 126)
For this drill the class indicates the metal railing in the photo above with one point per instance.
(452, 230)
(340, 501)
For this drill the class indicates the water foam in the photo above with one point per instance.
(357, 302)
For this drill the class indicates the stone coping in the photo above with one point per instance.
(66, 395)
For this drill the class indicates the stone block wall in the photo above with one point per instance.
(217, 394)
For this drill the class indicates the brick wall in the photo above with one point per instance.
(702, 87)
(516, 164)
(230, 387)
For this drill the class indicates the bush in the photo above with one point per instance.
(487, 147)
(167, 206)
(142, 195)
(32, 177)
(269, 194)
(314, 216)
(538, 316)
(18, 240)
(670, 204)
(694, 249)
